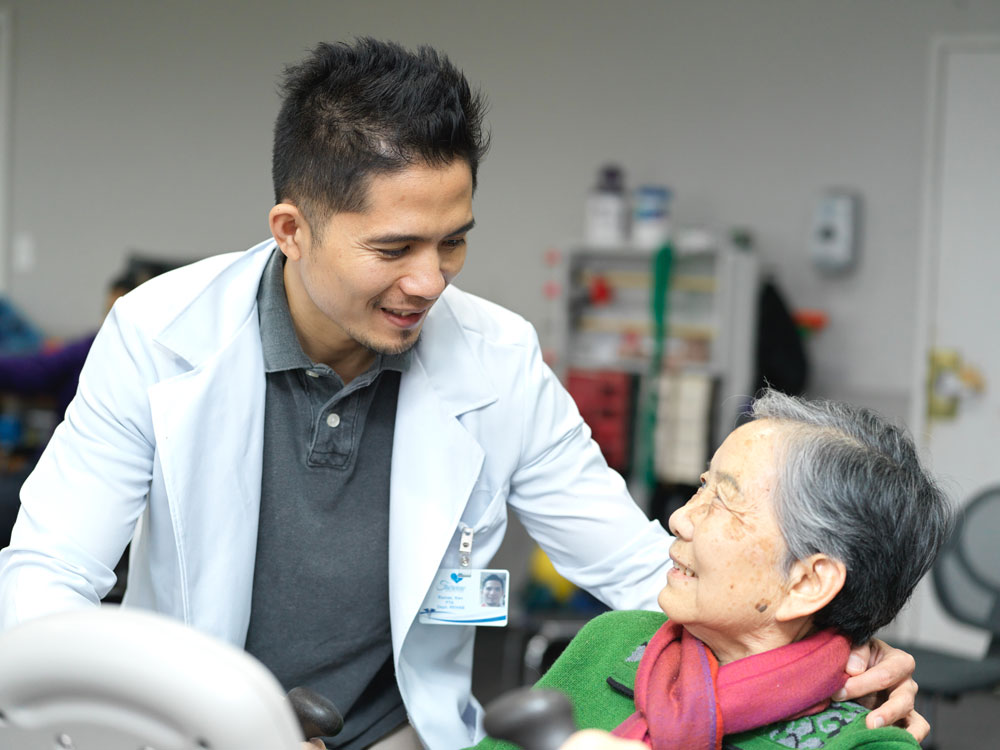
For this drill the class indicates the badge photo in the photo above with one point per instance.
(466, 596)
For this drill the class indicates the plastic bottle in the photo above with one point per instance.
(650, 220)
(606, 222)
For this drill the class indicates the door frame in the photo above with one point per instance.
(908, 625)
(930, 251)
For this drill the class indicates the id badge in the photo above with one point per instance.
(466, 596)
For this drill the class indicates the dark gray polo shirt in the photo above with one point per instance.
(320, 610)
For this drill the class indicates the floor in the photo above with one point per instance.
(973, 723)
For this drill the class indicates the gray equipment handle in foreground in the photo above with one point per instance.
(119, 679)
(534, 719)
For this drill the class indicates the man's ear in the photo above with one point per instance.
(290, 230)
(812, 584)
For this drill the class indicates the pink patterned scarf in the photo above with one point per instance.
(686, 701)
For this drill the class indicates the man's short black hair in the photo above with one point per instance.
(351, 111)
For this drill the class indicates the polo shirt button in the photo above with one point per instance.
(312, 373)
(333, 420)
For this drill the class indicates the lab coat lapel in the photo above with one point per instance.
(435, 461)
(209, 426)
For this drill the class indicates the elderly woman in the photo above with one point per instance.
(812, 526)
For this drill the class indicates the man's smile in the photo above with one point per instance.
(404, 318)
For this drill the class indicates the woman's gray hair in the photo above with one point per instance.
(850, 485)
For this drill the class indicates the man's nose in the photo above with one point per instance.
(425, 276)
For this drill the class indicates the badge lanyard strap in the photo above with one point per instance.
(465, 546)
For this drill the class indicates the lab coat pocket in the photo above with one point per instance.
(485, 509)
(486, 515)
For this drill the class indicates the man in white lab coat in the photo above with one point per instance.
(297, 438)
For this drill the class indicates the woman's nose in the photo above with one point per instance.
(680, 523)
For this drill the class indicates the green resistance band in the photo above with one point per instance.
(662, 266)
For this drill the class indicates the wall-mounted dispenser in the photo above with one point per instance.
(835, 230)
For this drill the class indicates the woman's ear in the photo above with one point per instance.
(289, 229)
(812, 584)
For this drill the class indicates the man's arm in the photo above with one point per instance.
(80, 504)
(577, 508)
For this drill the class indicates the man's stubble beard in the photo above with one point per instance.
(410, 340)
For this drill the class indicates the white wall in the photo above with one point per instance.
(146, 125)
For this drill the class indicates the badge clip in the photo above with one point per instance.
(465, 546)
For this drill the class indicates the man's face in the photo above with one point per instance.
(493, 594)
(367, 280)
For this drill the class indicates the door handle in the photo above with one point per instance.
(948, 380)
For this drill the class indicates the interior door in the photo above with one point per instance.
(957, 398)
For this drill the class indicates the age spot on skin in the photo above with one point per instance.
(735, 530)
(762, 606)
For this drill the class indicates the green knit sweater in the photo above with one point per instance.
(597, 671)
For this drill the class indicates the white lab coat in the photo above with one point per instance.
(164, 440)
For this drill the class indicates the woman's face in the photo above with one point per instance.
(725, 583)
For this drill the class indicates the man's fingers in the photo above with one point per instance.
(593, 739)
(916, 725)
(893, 670)
(869, 701)
(858, 661)
(913, 723)
(897, 708)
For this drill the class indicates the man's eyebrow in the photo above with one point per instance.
(395, 239)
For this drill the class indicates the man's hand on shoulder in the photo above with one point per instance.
(882, 679)
(594, 739)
